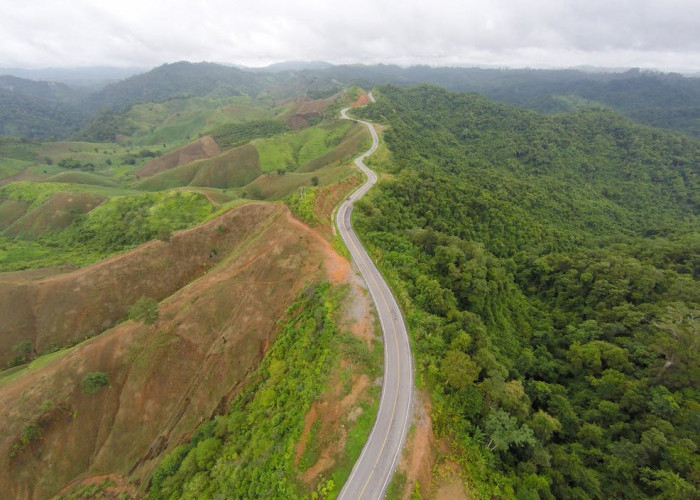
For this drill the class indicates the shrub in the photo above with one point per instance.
(145, 309)
(94, 381)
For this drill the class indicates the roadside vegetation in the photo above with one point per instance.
(548, 269)
(249, 452)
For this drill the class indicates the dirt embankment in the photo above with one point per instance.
(163, 379)
(205, 147)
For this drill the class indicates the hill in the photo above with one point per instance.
(39, 109)
(218, 314)
(234, 168)
(548, 268)
(670, 101)
(206, 147)
(177, 81)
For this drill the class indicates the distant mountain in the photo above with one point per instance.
(43, 109)
(667, 100)
(177, 80)
(39, 109)
(49, 91)
(296, 66)
(90, 77)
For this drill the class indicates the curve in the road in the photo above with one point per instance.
(379, 458)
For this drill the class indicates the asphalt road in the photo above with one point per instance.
(380, 455)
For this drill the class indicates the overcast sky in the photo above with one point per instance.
(661, 34)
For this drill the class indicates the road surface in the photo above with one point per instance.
(373, 470)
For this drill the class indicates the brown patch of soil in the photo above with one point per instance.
(308, 422)
(164, 379)
(419, 456)
(205, 147)
(451, 490)
(451, 487)
(119, 486)
(306, 109)
(334, 411)
(425, 461)
(337, 267)
(361, 101)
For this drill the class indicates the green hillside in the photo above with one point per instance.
(234, 168)
(548, 268)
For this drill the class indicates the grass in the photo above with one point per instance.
(396, 487)
(41, 361)
(83, 178)
(272, 186)
(250, 451)
(179, 121)
(18, 148)
(36, 193)
(12, 166)
(357, 437)
(119, 224)
(292, 150)
(234, 168)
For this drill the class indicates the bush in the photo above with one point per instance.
(145, 309)
(94, 381)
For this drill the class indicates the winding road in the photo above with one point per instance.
(380, 455)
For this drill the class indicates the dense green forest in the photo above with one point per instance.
(548, 266)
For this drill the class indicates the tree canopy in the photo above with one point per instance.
(548, 266)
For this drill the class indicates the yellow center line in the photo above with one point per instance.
(398, 359)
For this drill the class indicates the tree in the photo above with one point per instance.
(24, 352)
(459, 369)
(145, 309)
(94, 381)
(314, 181)
(678, 339)
(545, 425)
(504, 431)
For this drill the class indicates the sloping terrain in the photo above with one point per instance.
(202, 148)
(548, 268)
(67, 308)
(56, 213)
(234, 168)
(163, 379)
(304, 110)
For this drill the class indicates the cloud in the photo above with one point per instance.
(536, 33)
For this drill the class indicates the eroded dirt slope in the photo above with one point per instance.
(63, 308)
(204, 147)
(166, 378)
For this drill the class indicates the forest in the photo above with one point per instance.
(548, 269)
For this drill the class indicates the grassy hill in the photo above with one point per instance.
(212, 331)
(234, 168)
